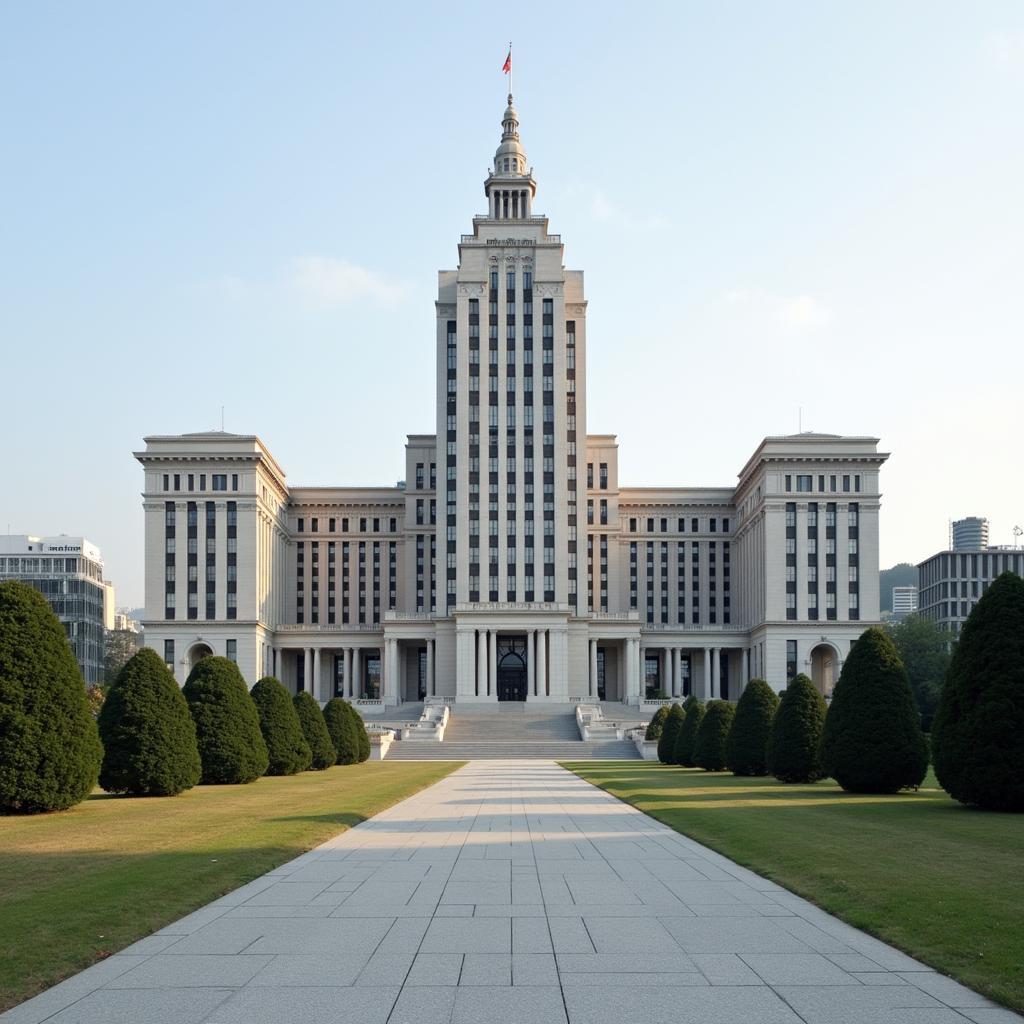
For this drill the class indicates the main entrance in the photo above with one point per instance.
(511, 667)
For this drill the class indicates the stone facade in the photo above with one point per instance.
(511, 564)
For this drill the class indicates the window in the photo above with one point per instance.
(220, 481)
(169, 654)
(603, 479)
(231, 650)
(803, 482)
(790, 659)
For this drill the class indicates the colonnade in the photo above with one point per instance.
(538, 663)
(509, 204)
(671, 676)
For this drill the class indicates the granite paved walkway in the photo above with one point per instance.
(509, 892)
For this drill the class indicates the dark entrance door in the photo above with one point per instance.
(511, 684)
(511, 668)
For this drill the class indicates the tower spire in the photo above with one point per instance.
(510, 187)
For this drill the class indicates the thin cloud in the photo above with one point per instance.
(313, 282)
(603, 209)
(326, 282)
(799, 312)
(1005, 50)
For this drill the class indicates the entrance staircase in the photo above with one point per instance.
(513, 730)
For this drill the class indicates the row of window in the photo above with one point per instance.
(602, 476)
(367, 524)
(218, 481)
(805, 482)
(661, 524)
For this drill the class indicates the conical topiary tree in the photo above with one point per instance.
(231, 745)
(978, 731)
(872, 741)
(314, 728)
(712, 736)
(746, 749)
(342, 729)
(362, 736)
(656, 725)
(794, 743)
(687, 739)
(149, 738)
(287, 749)
(669, 731)
(49, 748)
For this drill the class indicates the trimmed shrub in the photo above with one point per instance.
(231, 745)
(686, 741)
(872, 741)
(343, 731)
(978, 732)
(314, 728)
(794, 743)
(669, 731)
(746, 749)
(657, 724)
(287, 749)
(713, 735)
(361, 735)
(149, 738)
(50, 750)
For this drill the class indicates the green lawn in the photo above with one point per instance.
(940, 881)
(82, 884)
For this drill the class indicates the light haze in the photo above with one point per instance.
(778, 207)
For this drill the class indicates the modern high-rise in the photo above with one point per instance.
(970, 534)
(68, 572)
(511, 564)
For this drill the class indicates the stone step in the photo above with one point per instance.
(465, 751)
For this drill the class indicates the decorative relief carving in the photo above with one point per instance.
(471, 289)
(576, 308)
(445, 309)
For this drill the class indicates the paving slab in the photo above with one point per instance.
(510, 893)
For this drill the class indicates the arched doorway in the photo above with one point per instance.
(824, 668)
(196, 654)
(511, 668)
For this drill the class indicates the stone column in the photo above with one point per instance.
(430, 668)
(593, 668)
(307, 667)
(481, 662)
(531, 640)
(346, 682)
(315, 688)
(706, 681)
(673, 674)
(716, 673)
(492, 660)
(665, 672)
(542, 663)
(746, 667)
(357, 682)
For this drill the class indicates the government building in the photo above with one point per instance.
(511, 564)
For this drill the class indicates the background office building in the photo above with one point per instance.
(512, 564)
(952, 581)
(904, 601)
(68, 572)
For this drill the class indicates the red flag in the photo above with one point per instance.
(507, 66)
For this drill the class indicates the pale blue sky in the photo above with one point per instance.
(776, 205)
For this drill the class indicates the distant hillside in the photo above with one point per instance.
(901, 575)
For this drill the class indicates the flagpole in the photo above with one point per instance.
(510, 67)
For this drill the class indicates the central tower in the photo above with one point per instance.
(511, 429)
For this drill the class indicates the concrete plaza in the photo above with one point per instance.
(510, 893)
